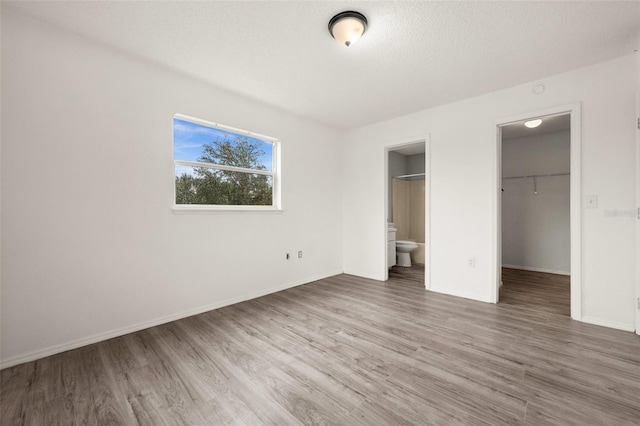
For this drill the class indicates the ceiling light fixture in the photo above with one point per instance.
(533, 123)
(347, 27)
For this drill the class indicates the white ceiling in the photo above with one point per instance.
(415, 55)
(416, 148)
(550, 124)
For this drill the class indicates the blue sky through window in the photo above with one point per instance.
(189, 138)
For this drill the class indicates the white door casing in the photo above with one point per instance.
(427, 188)
(637, 301)
(575, 202)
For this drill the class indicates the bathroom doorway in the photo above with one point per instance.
(537, 221)
(407, 211)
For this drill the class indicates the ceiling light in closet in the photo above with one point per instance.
(533, 123)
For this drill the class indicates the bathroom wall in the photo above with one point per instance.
(415, 164)
(409, 209)
(409, 213)
(397, 167)
(400, 209)
(416, 210)
(536, 227)
(400, 164)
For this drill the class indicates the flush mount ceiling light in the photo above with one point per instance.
(347, 27)
(533, 123)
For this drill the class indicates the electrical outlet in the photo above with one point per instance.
(471, 263)
(287, 256)
(300, 254)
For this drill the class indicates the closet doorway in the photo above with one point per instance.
(537, 213)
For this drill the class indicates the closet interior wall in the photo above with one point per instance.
(535, 203)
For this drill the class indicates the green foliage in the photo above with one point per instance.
(221, 187)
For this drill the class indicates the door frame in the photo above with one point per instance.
(427, 199)
(637, 301)
(575, 202)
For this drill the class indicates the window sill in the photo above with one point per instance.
(193, 208)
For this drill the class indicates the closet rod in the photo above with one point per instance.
(537, 176)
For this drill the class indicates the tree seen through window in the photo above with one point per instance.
(217, 167)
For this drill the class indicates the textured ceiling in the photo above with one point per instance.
(414, 55)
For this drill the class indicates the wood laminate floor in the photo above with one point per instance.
(342, 351)
(536, 291)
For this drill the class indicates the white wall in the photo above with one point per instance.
(415, 163)
(400, 164)
(536, 227)
(0, 191)
(638, 191)
(90, 245)
(463, 138)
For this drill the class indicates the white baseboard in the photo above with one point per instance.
(610, 324)
(528, 268)
(462, 294)
(74, 344)
(367, 276)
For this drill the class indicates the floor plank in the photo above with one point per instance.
(537, 291)
(347, 351)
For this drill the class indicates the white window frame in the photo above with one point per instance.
(275, 173)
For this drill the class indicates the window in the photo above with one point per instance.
(219, 167)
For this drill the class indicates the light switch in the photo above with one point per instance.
(591, 201)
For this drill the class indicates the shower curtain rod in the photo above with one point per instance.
(408, 176)
(537, 176)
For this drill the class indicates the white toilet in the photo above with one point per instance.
(404, 249)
